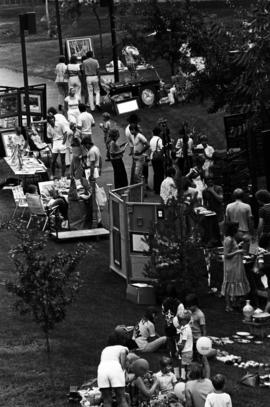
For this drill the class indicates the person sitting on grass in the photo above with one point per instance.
(144, 385)
(144, 333)
(165, 377)
(218, 398)
(198, 385)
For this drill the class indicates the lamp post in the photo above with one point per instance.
(59, 29)
(27, 22)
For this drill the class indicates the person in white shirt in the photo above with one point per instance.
(72, 106)
(184, 151)
(132, 119)
(61, 80)
(140, 146)
(144, 333)
(218, 398)
(208, 152)
(85, 121)
(156, 157)
(168, 190)
(185, 343)
(74, 75)
(57, 131)
(111, 372)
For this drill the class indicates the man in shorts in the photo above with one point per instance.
(58, 132)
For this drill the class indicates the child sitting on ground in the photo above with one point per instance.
(218, 398)
(142, 388)
(185, 343)
(165, 377)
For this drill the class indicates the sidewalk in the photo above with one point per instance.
(11, 78)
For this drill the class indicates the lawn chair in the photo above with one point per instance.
(19, 199)
(37, 210)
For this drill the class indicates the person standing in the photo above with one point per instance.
(111, 372)
(116, 157)
(235, 283)
(61, 81)
(213, 200)
(240, 212)
(208, 152)
(132, 119)
(168, 190)
(74, 73)
(184, 151)
(156, 157)
(90, 67)
(72, 106)
(140, 146)
(85, 121)
(58, 133)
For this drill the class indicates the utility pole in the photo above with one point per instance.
(27, 22)
(59, 29)
(114, 40)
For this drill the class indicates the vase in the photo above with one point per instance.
(248, 311)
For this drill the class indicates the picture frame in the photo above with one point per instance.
(9, 106)
(78, 47)
(35, 102)
(138, 243)
(7, 137)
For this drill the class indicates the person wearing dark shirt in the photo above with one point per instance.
(213, 200)
(263, 198)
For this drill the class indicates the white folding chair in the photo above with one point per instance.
(36, 209)
(19, 199)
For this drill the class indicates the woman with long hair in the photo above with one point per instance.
(235, 283)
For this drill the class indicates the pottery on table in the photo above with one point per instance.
(248, 311)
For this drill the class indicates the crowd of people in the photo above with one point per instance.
(184, 376)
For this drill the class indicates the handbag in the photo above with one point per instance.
(101, 197)
(157, 154)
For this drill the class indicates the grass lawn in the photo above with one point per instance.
(78, 341)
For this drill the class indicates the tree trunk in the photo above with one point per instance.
(48, 17)
(49, 359)
(99, 30)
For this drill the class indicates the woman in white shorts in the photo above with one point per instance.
(111, 372)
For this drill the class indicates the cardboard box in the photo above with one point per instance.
(140, 293)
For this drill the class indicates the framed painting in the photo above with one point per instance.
(78, 47)
(9, 140)
(35, 102)
(9, 105)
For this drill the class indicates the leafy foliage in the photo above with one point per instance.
(176, 255)
(159, 29)
(44, 285)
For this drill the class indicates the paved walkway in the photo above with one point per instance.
(11, 78)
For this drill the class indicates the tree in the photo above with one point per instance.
(44, 285)
(176, 255)
(159, 29)
(72, 8)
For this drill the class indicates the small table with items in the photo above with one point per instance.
(208, 223)
(258, 328)
(31, 170)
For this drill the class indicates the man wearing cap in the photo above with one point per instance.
(85, 121)
(90, 67)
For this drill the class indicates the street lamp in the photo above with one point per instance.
(27, 23)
